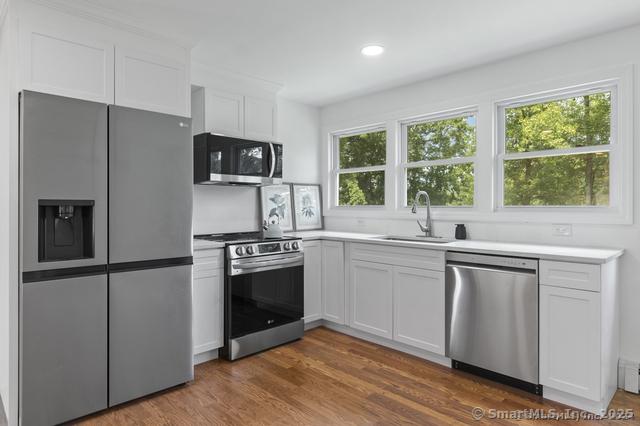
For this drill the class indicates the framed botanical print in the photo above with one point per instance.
(307, 206)
(276, 205)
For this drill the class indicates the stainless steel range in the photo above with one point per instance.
(264, 292)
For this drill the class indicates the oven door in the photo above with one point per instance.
(263, 293)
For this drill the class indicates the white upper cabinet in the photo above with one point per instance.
(224, 112)
(259, 119)
(67, 55)
(62, 65)
(151, 82)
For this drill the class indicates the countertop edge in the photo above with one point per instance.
(371, 239)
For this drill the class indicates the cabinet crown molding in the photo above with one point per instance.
(225, 79)
(113, 18)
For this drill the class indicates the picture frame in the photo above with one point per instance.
(276, 201)
(307, 206)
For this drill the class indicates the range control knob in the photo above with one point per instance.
(295, 245)
(287, 246)
(240, 251)
(250, 250)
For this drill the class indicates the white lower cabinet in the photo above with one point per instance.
(207, 301)
(333, 282)
(312, 281)
(419, 308)
(371, 298)
(570, 346)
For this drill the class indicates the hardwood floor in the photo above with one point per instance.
(329, 378)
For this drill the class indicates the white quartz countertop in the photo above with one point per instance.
(546, 252)
(205, 245)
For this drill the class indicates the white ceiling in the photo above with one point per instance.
(312, 47)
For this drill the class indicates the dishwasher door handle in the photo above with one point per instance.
(519, 271)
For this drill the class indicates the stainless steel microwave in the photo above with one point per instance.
(223, 160)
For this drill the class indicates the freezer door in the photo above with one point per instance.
(150, 185)
(149, 332)
(63, 145)
(63, 366)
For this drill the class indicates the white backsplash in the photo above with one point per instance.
(218, 209)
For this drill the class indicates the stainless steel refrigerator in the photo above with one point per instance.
(106, 200)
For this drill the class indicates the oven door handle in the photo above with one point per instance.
(265, 265)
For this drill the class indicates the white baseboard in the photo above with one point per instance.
(595, 407)
(629, 375)
(429, 356)
(313, 324)
(205, 356)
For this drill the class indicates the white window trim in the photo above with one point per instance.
(336, 171)
(485, 102)
(616, 212)
(404, 164)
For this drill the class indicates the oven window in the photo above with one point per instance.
(250, 161)
(264, 300)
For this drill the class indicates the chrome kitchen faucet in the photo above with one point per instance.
(428, 228)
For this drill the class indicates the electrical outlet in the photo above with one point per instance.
(561, 230)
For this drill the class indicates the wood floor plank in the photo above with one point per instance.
(329, 378)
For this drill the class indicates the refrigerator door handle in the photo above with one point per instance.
(272, 168)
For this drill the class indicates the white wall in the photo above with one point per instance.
(219, 209)
(477, 85)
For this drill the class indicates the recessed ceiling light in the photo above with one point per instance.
(372, 50)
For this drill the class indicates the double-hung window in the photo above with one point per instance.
(438, 157)
(359, 170)
(555, 151)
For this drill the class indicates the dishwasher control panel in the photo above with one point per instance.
(485, 259)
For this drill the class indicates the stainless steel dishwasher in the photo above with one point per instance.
(492, 317)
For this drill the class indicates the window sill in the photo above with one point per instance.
(474, 214)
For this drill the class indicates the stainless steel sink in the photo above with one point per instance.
(417, 238)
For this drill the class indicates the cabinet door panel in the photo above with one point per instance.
(260, 119)
(67, 65)
(224, 113)
(151, 83)
(570, 341)
(333, 281)
(312, 281)
(371, 298)
(207, 309)
(419, 304)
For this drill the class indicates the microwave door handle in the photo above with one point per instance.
(272, 168)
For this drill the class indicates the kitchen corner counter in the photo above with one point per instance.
(206, 245)
(546, 252)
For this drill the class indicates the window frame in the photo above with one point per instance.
(405, 164)
(336, 171)
(613, 149)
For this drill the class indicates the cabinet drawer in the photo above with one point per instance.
(399, 256)
(208, 256)
(578, 276)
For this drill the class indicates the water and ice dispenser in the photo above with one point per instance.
(65, 230)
